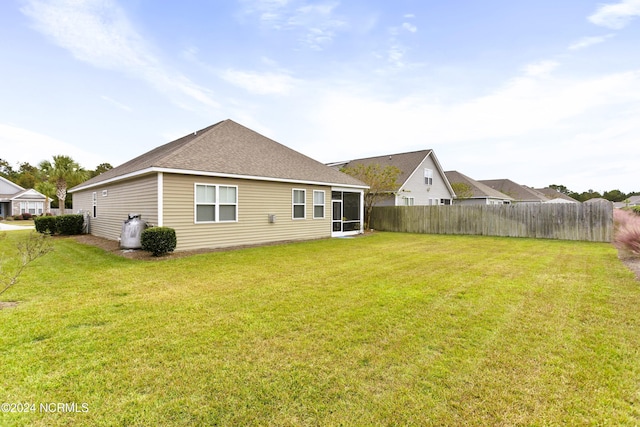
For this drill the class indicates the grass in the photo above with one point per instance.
(387, 329)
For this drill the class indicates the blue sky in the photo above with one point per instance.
(544, 92)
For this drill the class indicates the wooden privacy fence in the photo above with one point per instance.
(571, 221)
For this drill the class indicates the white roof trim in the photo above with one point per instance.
(212, 174)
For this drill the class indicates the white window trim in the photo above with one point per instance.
(293, 204)
(324, 204)
(409, 201)
(216, 204)
(94, 204)
(428, 176)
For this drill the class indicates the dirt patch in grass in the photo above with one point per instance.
(8, 304)
(113, 247)
(632, 262)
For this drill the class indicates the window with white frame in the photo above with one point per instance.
(33, 208)
(216, 203)
(299, 205)
(409, 201)
(428, 176)
(94, 204)
(318, 204)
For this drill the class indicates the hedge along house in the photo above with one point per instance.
(223, 186)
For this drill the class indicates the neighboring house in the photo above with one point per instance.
(15, 200)
(555, 196)
(598, 200)
(471, 192)
(223, 186)
(421, 180)
(519, 193)
(629, 202)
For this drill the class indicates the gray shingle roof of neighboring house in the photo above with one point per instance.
(598, 200)
(33, 194)
(518, 192)
(552, 194)
(228, 149)
(634, 201)
(477, 189)
(406, 162)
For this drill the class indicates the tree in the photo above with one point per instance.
(62, 172)
(381, 182)
(614, 195)
(561, 188)
(30, 248)
(462, 190)
(27, 175)
(48, 190)
(6, 170)
(101, 168)
(587, 195)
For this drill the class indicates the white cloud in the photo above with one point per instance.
(409, 27)
(540, 69)
(39, 147)
(528, 122)
(117, 104)
(589, 41)
(616, 15)
(99, 33)
(260, 83)
(317, 22)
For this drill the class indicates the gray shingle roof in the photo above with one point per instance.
(228, 148)
(478, 190)
(406, 162)
(551, 194)
(520, 193)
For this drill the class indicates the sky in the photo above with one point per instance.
(540, 92)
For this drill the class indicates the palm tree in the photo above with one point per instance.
(63, 171)
(49, 190)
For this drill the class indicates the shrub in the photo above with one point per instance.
(158, 240)
(46, 224)
(636, 210)
(627, 231)
(69, 224)
(17, 217)
(27, 216)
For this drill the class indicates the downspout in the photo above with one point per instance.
(160, 199)
(362, 212)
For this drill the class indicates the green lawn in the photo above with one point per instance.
(387, 329)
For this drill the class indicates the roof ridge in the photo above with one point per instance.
(193, 138)
(392, 154)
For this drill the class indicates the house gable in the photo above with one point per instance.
(181, 185)
(411, 180)
(227, 149)
(8, 188)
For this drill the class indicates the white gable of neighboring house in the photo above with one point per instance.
(8, 187)
(427, 185)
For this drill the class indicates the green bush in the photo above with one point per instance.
(158, 240)
(69, 224)
(46, 224)
(636, 210)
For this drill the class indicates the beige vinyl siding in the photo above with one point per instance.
(256, 201)
(122, 198)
